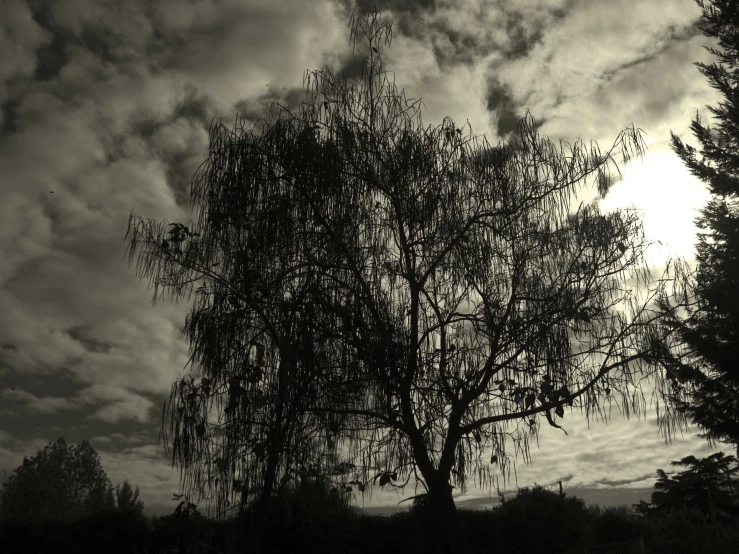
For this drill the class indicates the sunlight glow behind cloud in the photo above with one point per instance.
(668, 198)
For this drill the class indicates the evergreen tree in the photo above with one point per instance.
(127, 500)
(707, 484)
(708, 360)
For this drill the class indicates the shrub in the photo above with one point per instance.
(562, 523)
(616, 524)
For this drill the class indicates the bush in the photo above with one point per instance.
(319, 518)
(676, 528)
(616, 524)
(109, 532)
(562, 523)
(198, 533)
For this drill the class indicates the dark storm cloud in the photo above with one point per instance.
(499, 100)
(353, 68)
(102, 41)
(83, 335)
(195, 106)
(511, 32)
(9, 117)
(671, 38)
(105, 109)
(51, 57)
(522, 38)
(622, 482)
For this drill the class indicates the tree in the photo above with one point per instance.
(453, 288)
(615, 523)
(251, 336)
(127, 500)
(706, 361)
(257, 333)
(58, 483)
(707, 484)
(563, 522)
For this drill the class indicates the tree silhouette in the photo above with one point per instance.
(562, 521)
(258, 332)
(707, 484)
(127, 500)
(704, 368)
(254, 335)
(59, 483)
(452, 288)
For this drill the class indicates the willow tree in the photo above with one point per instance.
(488, 291)
(255, 334)
(455, 287)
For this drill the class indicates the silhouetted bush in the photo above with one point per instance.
(616, 524)
(110, 532)
(676, 529)
(562, 523)
(113, 532)
(317, 518)
(311, 519)
(194, 533)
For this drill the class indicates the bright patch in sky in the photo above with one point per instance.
(669, 199)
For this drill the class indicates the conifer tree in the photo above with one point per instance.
(705, 372)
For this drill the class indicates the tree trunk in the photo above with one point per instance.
(261, 509)
(445, 519)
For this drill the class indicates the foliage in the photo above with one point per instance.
(704, 369)
(111, 532)
(680, 529)
(311, 523)
(314, 510)
(562, 522)
(127, 500)
(60, 482)
(423, 290)
(615, 524)
(706, 485)
(188, 530)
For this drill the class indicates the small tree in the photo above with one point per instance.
(127, 500)
(59, 483)
(616, 523)
(562, 523)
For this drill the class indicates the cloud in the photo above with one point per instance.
(46, 404)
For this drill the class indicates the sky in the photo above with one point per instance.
(106, 107)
